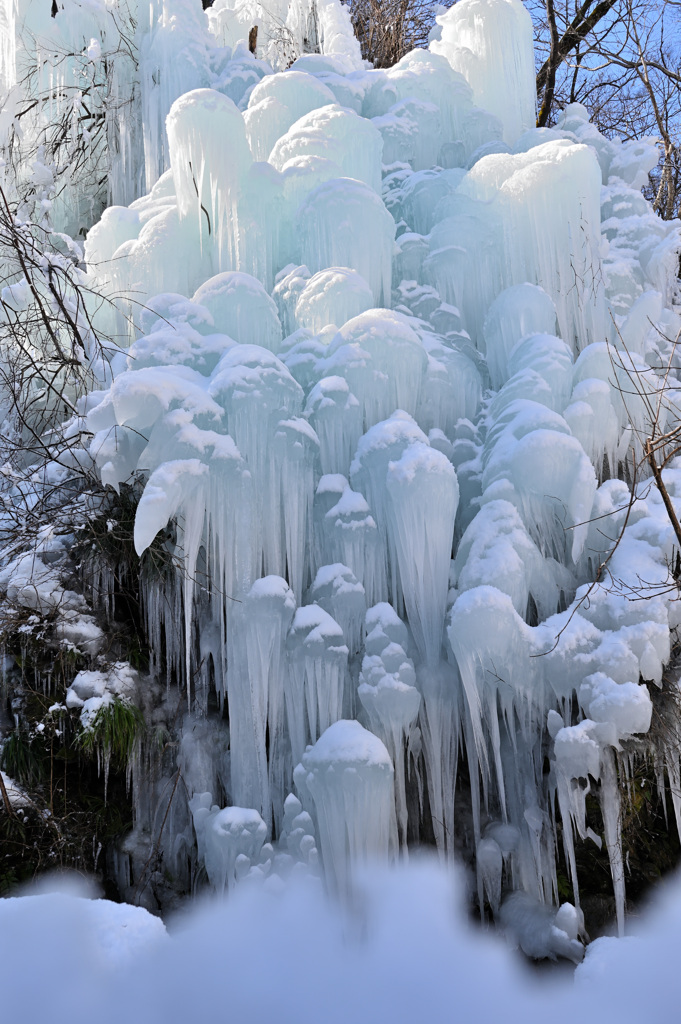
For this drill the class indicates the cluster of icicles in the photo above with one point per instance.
(82, 64)
(375, 383)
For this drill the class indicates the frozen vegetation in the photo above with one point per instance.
(386, 356)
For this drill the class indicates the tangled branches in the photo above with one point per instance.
(74, 116)
(387, 29)
(50, 358)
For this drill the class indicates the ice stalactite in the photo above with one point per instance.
(239, 306)
(330, 489)
(519, 463)
(461, 264)
(496, 549)
(389, 696)
(173, 60)
(587, 751)
(276, 103)
(231, 839)
(423, 495)
(474, 31)
(383, 361)
(545, 360)
(256, 684)
(518, 311)
(337, 134)
(256, 390)
(490, 865)
(336, 416)
(499, 233)
(296, 445)
(332, 296)
(209, 181)
(488, 643)
(451, 388)
(289, 33)
(8, 29)
(288, 285)
(612, 827)
(563, 258)
(346, 529)
(327, 238)
(337, 590)
(346, 779)
(70, 78)
(383, 443)
(318, 659)
(440, 724)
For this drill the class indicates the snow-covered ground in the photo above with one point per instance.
(403, 952)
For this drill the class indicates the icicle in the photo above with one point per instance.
(347, 777)
(256, 687)
(612, 827)
(209, 179)
(337, 590)
(226, 837)
(328, 223)
(383, 443)
(336, 416)
(295, 449)
(318, 663)
(388, 695)
(383, 361)
(423, 495)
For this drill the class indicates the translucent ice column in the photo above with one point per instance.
(256, 696)
(519, 310)
(173, 58)
(337, 590)
(547, 202)
(344, 223)
(383, 361)
(423, 495)
(336, 416)
(333, 296)
(257, 392)
(490, 43)
(337, 134)
(318, 658)
(383, 443)
(276, 103)
(210, 158)
(389, 696)
(240, 307)
(346, 779)
(230, 839)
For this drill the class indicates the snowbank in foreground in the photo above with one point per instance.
(404, 953)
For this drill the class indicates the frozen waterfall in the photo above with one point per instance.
(376, 329)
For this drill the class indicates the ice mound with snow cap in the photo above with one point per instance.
(347, 780)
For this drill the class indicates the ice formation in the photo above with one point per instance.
(347, 780)
(228, 839)
(477, 31)
(375, 328)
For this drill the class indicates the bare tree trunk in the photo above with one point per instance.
(553, 62)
